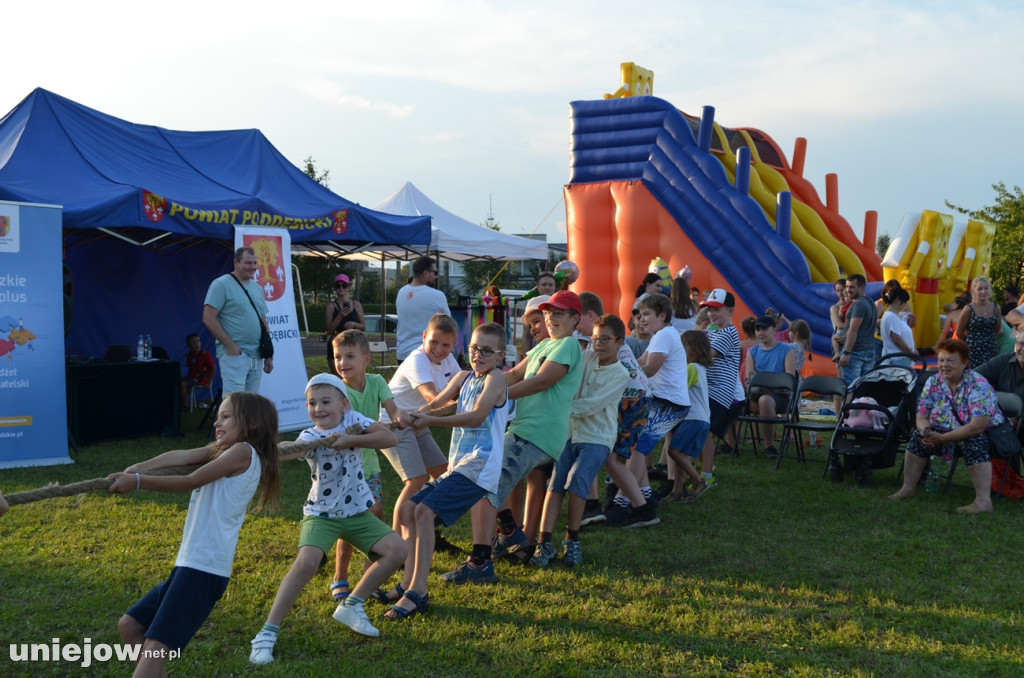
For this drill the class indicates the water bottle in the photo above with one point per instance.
(149, 347)
(140, 349)
(931, 481)
(815, 439)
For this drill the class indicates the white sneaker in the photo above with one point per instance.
(354, 617)
(262, 648)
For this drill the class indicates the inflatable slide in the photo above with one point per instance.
(641, 186)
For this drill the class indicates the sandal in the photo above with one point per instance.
(336, 593)
(396, 613)
(381, 596)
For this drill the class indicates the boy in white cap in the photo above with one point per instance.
(338, 507)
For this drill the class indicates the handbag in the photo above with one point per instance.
(266, 349)
(1002, 439)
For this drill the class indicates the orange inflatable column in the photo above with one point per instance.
(589, 215)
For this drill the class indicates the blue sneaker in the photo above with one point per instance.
(470, 573)
(506, 544)
(544, 554)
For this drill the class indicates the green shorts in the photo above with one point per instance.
(362, 530)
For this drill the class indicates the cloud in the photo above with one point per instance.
(330, 93)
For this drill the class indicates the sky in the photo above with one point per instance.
(910, 103)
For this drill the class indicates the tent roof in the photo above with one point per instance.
(113, 174)
(452, 236)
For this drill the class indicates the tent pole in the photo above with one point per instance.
(302, 298)
(383, 292)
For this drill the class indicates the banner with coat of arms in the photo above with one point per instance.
(286, 384)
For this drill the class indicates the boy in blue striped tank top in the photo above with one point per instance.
(474, 462)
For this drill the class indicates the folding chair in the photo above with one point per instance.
(815, 386)
(381, 351)
(211, 415)
(193, 398)
(781, 382)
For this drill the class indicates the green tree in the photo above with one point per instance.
(1007, 213)
(479, 274)
(309, 167)
(882, 244)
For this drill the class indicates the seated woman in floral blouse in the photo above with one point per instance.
(957, 405)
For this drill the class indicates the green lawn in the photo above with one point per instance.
(771, 573)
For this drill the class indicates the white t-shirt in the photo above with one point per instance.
(669, 382)
(414, 371)
(684, 324)
(415, 304)
(700, 407)
(891, 322)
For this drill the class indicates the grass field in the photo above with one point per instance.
(771, 573)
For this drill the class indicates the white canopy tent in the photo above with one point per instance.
(451, 236)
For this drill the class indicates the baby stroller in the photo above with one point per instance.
(877, 418)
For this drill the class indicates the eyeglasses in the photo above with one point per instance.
(340, 284)
(603, 340)
(480, 351)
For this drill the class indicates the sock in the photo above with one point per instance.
(646, 491)
(572, 535)
(620, 500)
(481, 554)
(708, 477)
(506, 522)
(545, 537)
(353, 601)
(270, 628)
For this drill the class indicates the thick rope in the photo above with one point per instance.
(97, 484)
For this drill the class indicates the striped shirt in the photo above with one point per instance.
(724, 374)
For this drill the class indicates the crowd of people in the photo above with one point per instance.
(588, 401)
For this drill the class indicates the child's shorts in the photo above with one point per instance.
(362, 530)
(175, 608)
(577, 467)
(415, 452)
(662, 418)
(521, 456)
(449, 497)
(722, 417)
(689, 437)
(632, 419)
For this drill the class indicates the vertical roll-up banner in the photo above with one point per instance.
(33, 404)
(286, 385)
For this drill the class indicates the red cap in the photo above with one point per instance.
(563, 299)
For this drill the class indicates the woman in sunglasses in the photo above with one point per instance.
(342, 314)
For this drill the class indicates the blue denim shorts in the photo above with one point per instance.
(577, 467)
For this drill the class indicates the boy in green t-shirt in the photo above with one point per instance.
(367, 393)
(544, 384)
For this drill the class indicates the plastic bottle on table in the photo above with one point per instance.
(149, 347)
(140, 348)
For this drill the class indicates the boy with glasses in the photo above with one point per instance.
(544, 384)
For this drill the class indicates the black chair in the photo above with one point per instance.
(1011, 406)
(815, 386)
(160, 353)
(119, 353)
(211, 413)
(783, 383)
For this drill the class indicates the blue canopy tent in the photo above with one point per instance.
(149, 213)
